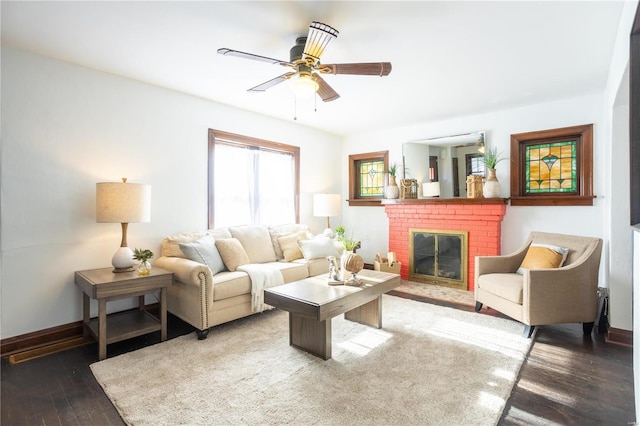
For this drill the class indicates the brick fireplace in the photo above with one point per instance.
(480, 217)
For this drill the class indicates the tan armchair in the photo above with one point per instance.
(543, 296)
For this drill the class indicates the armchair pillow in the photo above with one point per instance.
(318, 247)
(204, 251)
(543, 256)
(232, 253)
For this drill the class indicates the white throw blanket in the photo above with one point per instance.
(262, 276)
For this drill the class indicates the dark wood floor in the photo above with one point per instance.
(568, 379)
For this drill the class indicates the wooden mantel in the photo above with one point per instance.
(438, 200)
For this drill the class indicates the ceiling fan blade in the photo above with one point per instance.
(230, 52)
(325, 91)
(365, 68)
(317, 40)
(268, 84)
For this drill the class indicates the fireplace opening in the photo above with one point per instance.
(438, 257)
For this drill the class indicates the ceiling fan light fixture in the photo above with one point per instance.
(319, 37)
(303, 85)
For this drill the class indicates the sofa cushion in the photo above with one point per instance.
(232, 253)
(507, 286)
(230, 284)
(289, 246)
(256, 241)
(543, 256)
(204, 251)
(171, 245)
(291, 271)
(318, 247)
(278, 231)
(219, 233)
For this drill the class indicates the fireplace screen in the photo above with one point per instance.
(438, 257)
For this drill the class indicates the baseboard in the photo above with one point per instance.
(54, 336)
(41, 338)
(619, 337)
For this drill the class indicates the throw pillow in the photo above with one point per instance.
(317, 247)
(204, 251)
(256, 242)
(543, 256)
(289, 245)
(278, 231)
(232, 253)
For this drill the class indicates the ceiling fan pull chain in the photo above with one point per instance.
(295, 107)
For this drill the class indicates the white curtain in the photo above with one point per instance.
(253, 186)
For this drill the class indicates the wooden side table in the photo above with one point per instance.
(105, 285)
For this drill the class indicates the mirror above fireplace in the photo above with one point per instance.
(447, 160)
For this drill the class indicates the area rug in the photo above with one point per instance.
(428, 365)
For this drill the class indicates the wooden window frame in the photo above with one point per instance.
(241, 140)
(354, 193)
(583, 135)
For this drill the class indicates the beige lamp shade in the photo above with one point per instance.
(121, 202)
(326, 205)
(431, 189)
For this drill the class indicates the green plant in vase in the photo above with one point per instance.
(340, 232)
(143, 256)
(392, 190)
(492, 186)
(492, 158)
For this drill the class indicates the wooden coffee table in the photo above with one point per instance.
(312, 303)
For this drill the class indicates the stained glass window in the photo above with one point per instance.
(551, 167)
(371, 178)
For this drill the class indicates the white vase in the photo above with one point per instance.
(491, 187)
(392, 191)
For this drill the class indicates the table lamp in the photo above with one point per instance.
(326, 205)
(124, 203)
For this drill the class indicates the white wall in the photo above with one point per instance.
(66, 128)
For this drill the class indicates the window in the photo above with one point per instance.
(553, 167)
(475, 164)
(252, 181)
(367, 178)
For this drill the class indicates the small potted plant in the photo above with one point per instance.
(392, 191)
(143, 256)
(492, 186)
(492, 158)
(340, 232)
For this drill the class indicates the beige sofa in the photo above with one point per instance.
(206, 293)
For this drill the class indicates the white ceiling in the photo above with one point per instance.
(449, 58)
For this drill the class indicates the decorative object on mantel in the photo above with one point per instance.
(124, 203)
(431, 188)
(392, 191)
(143, 256)
(474, 186)
(492, 186)
(409, 188)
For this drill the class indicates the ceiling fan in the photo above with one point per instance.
(304, 59)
